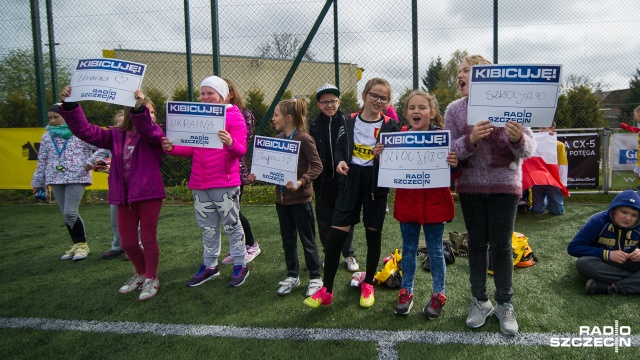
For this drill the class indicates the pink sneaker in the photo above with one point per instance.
(321, 297)
(252, 252)
(227, 260)
(366, 298)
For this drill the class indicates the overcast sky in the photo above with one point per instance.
(594, 38)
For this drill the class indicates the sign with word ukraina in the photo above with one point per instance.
(195, 124)
(107, 80)
(415, 160)
(275, 161)
(527, 94)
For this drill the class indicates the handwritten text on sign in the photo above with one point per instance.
(415, 160)
(107, 80)
(526, 94)
(195, 124)
(275, 161)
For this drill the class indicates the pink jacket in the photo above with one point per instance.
(218, 168)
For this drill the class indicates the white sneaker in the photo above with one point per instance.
(478, 313)
(252, 252)
(132, 285)
(70, 253)
(507, 317)
(82, 250)
(314, 286)
(352, 265)
(286, 285)
(149, 289)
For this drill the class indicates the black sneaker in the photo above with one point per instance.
(598, 287)
(405, 303)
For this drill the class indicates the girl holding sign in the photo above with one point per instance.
(61, 165)
(489, 189)
(215, 184)
(426, 208)
(357, 151)
(135, 183)
(293, 202)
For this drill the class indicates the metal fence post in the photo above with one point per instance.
(38, 63)
(52, 52)
(215, 38)
(336, 49)
(414, 38)
(606, 167)
(187, 35)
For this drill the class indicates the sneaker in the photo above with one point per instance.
(432, 310)
(366, 295)
(203, 275)
(314, 286)
(321, 297)
(69, 253)
(239, 275)
(405, 302)
(286, 285)
(478, 313)
(252, 252)
(352, 265)
(132, 285)
(82, 250)
(125, 257)
(227, 260)
(507, 317)
(149, 289)
(598, 287)
(107, 255)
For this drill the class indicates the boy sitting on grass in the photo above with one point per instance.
(607, 248)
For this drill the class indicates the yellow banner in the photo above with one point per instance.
(19, 157)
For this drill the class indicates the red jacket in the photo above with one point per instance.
(425, 206)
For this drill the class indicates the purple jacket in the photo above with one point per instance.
(145, 179)
(493, 165)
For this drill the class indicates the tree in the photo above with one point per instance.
(349, 102)
(632, 100)
(18, 94)
(401, 104)
(283, 46)
(447, 89)
(160, 100)
(578, 105)
(254, 99)
(182, 94)
(430, 80)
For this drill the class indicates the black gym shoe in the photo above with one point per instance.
(598, 287)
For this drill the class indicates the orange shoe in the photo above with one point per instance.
(321, 297)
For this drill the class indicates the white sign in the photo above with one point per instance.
(195, 124)
(527, 94)
(415, 160)
(111, 81)
(624, 151)
(275, 161)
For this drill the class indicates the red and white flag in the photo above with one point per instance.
(542, 168)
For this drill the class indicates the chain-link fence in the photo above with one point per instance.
(596, 43)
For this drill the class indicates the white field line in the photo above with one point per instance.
(386, 339)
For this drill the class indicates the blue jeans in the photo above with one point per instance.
(410, 237)
(489, 219)
(547, 194)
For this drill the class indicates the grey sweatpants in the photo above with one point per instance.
(68, 197)
(213, 207)
(115, 243)
(625, 276)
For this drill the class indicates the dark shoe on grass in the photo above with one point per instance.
(112, 254)
(598, 287)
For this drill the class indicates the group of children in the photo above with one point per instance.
(338, 160)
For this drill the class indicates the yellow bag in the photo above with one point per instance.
(519, 243)
(391, 273)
